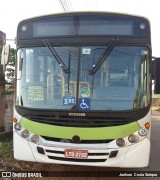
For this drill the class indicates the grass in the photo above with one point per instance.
(6, 148)
(8, 163)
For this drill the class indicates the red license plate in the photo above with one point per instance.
(71, 153)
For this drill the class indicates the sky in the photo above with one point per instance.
(13, 11)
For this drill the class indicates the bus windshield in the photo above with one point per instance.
(120, 83)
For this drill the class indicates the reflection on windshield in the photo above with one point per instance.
(121, 82)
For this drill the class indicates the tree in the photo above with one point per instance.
(10, 72)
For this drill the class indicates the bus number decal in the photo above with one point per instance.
(68, 100)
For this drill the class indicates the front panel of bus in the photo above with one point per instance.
(83, 90)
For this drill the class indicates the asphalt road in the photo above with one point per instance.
(154, 166)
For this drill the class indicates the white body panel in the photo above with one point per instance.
(22, 150)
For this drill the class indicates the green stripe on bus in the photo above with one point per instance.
(93, 133)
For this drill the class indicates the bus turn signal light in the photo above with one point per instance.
(147, 125)
(14, 120)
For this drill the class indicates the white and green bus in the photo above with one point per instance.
(83, 90)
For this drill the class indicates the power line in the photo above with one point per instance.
(63, 5)
(66, 5)
(70, 5)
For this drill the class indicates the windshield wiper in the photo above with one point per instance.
(100, 61)
(55, 55)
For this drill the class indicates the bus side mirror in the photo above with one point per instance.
(156, 74)
(5, 55)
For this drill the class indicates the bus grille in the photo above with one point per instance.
(76, 160)
(96, 156)
(68, 121)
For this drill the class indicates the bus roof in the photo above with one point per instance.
(86, 13)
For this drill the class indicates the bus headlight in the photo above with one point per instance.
(18, 126)
(35, 138)
(143, 131)
(133, 138)
(120, 142)
(25, 133)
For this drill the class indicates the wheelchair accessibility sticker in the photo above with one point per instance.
(84, 104)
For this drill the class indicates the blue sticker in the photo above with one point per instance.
(68, 100)
(84, 104)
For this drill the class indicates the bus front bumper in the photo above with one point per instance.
(133, 156)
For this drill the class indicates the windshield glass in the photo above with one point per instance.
(121, 82)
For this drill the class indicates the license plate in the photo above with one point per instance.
(71, 153)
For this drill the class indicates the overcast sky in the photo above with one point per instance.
(13, 11)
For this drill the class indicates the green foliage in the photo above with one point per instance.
(10, 72)
(2, 77)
